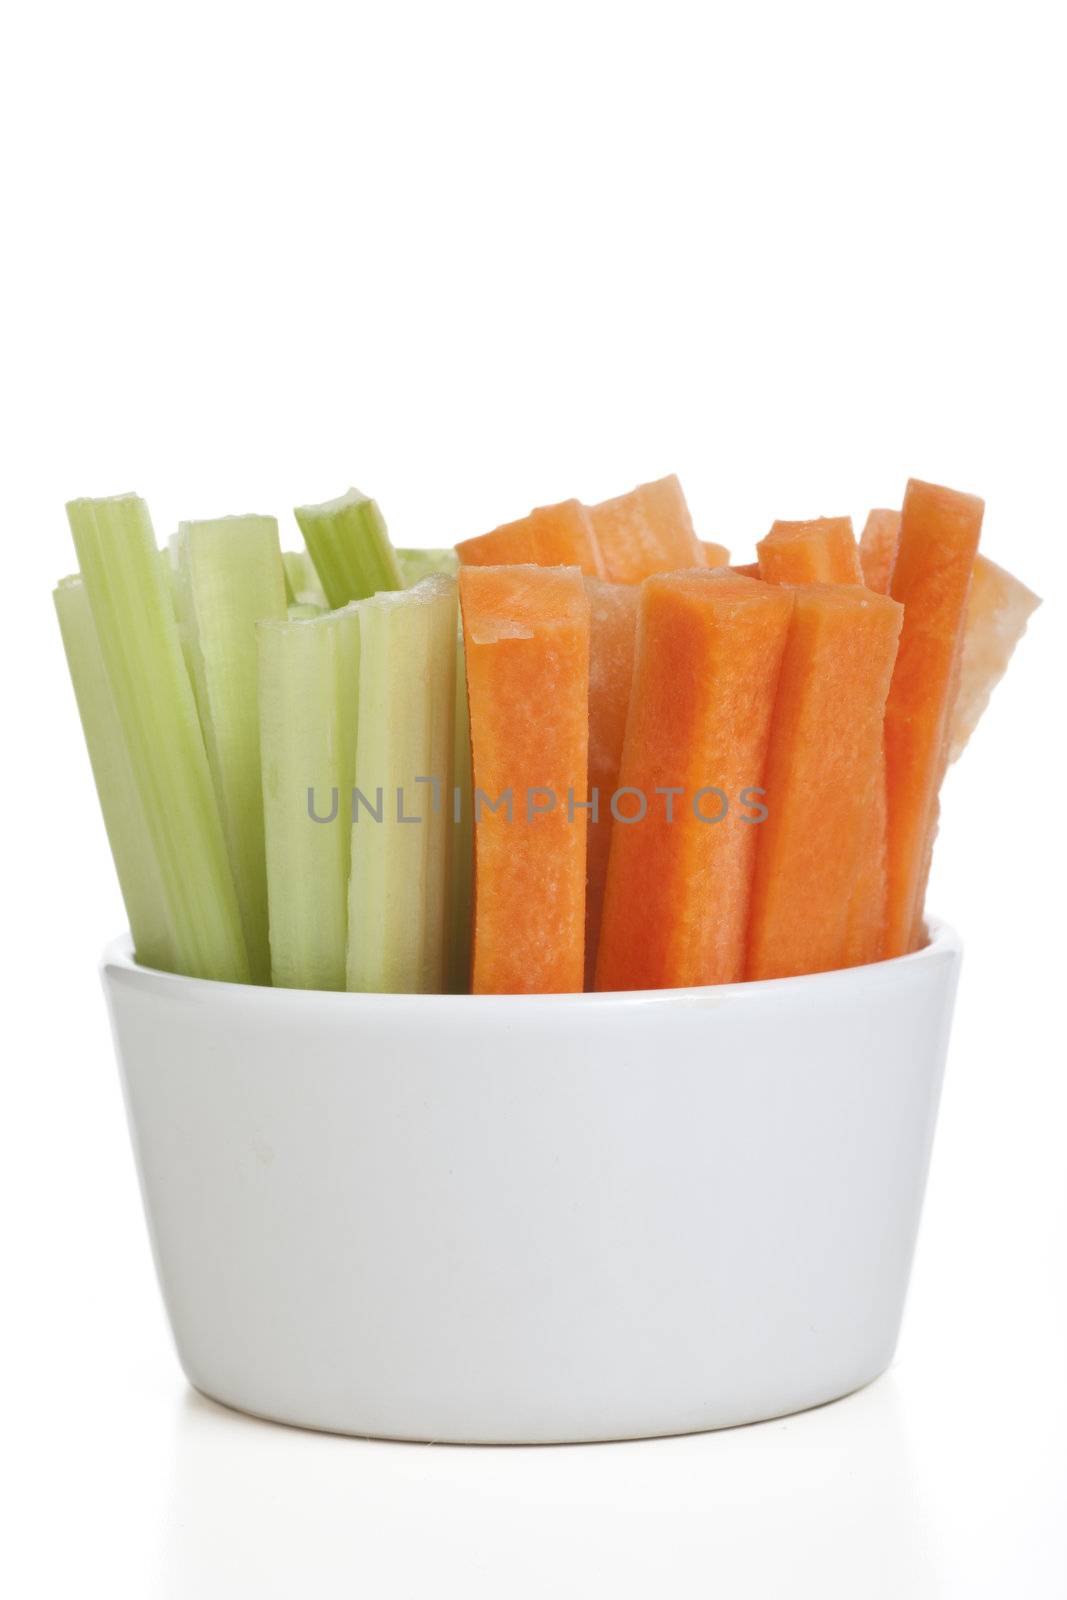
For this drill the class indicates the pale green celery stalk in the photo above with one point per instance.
(461, 840)
(349, 546)
(418, 564)
(153, 698)
(168, 556)
(230, 576)
(309, 702)
(301, 610)
(120, 802)
(398, 915)
(301, 579)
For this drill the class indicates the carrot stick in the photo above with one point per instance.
(865, 928)
(715, 555)
(648, 530)
(612, 633)
(823, 769)
(747, 569)
(676, 902)
(939, 532)
(551, 536)
(878, 549)
(825, 550)
(998, 609)
(821, 551)
(526, 639)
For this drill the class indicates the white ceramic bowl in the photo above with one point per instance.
(538, 1218)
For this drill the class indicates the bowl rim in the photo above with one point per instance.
(118, 964)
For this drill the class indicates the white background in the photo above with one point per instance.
(473, 258)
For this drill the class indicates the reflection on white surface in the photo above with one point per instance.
(262, 1510)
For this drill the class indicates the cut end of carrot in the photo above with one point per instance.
(646, 531)
(956, 508)
(715, 555)
(514, 600)
(551, 536)
(820, 551)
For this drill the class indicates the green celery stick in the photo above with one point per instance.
(349, 546)
(418, 564)
(301, 579)
(460, 840)
(120, 802)
(154, 702)
(397, 920)
(309, 701)
(301, 610)
(230, 575)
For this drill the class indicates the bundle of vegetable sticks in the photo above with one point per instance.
(581, 751)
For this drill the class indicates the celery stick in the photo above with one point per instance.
(350, 548)
(302, 610)
(460, 840)
(301, 579)
(230, 575)
(153, 698)
(418, 564)
(168, 557)
(120, 802)
(309, 700)
(397, 923)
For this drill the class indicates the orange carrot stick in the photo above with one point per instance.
(824, 766)
(526, 638)
(676, 901)
(878, 549)
(998, 609)
(551, 536)
(613, 628)
(715, 555)
(747, 569)
(825, 550)
(821, 551)
(865, 930)
(939, 532)
(648, 530)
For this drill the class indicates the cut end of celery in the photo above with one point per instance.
(349, 545)
(425, 592)
(90, 504)
(418, 564)
(332, 508)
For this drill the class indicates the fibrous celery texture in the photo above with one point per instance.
(301, 580)
(398, 919)
(137, 633)
(350, 548)
(229, 577)
(120, 801)
(309, 700)
(418, 564)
